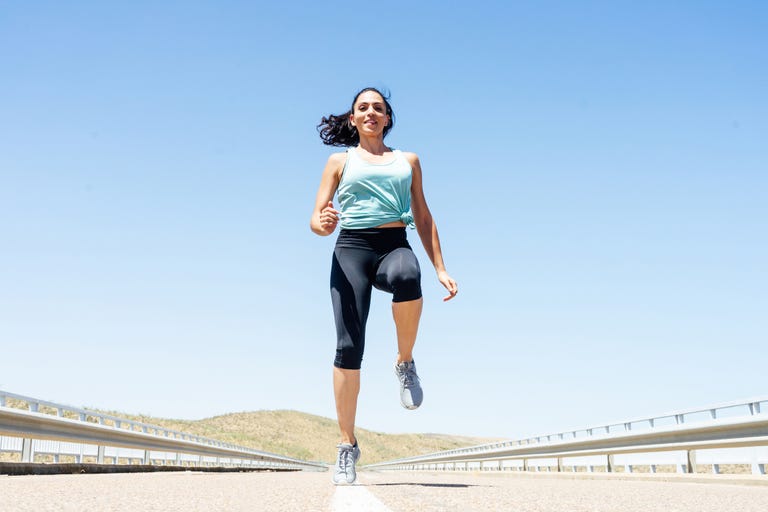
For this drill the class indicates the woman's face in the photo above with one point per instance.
(369, 114)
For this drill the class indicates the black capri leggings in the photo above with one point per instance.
(363, 259)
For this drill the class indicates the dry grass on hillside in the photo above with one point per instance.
(306, 436)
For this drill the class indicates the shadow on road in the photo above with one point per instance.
(423, 485)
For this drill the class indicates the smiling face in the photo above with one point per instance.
(369, 114)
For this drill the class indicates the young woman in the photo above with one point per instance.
(379, 194)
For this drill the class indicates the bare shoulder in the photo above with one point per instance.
(412, 158)
(336, 163)
(337, 159)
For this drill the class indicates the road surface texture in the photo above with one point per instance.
(381, 492)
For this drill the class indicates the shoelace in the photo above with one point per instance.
(345, 456)
(408, 376)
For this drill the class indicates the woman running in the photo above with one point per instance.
(379, 193)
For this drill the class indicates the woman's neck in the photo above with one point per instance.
(374, 145)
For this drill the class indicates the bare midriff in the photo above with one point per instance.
(396, 224)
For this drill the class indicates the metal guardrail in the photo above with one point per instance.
(682, 434)
(109, 433)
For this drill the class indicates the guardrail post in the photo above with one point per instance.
(691, 456)
(757, 468)
(27, 453)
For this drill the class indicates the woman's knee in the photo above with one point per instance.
(401, 276)
(348, 358)
(406, 286)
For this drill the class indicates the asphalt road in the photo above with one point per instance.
(380, 492)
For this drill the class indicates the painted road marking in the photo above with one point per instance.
(354, 498)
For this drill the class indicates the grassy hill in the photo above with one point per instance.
(306, 436)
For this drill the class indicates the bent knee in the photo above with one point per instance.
(406, 287)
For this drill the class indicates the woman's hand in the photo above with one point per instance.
(329, 218)
(449, 284)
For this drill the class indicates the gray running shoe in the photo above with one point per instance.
(411, 394)
(344, 471)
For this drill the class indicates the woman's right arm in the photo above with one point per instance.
(325, 217)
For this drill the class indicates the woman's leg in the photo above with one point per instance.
(346, 387)
(399, 274)
(406, 315)
(351, 297)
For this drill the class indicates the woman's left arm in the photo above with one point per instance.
(426, 227)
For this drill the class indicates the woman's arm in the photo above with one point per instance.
(426, 227)
(325, 217)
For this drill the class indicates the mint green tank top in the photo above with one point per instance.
(374, 194)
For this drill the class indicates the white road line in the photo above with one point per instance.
(356, 498)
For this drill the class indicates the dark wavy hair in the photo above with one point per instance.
(336, 130)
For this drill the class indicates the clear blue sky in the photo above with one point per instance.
(598, 172)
